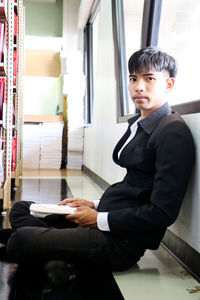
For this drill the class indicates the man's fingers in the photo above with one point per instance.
(72, 216)
(84, 216)
(67, 200)
(81, 208)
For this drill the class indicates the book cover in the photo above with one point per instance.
(2, 34)
(14, 149)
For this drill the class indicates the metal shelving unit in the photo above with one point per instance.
(7, 123)
(8, 127)
(19, 90)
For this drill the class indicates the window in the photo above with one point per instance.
(132, 29)
(95, 47)
(132, 25)
(179, 36)
(127, 27)
(136, 25)
(90, 59)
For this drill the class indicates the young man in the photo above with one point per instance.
(132, 215)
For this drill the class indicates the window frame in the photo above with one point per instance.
(88, 71)
(149, 37)
(185, 108)
(88, 64)
(120, 57)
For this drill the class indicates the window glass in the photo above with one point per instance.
(95, 28)
(179, 36)
(90, 62)
(133, 13)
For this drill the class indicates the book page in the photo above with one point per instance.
(51, 209)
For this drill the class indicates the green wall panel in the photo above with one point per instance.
(43, 19)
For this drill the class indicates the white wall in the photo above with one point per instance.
(188, 223)
(101, 137)
(72, 82)
(70, 20)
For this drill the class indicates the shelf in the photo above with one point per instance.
(2, 13)
(12, 14)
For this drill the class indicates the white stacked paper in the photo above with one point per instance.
(31, 146)
(42, 145)
(41, 210)
(52, 129)
(76, 140)
(74, 160)
(51, 145)
(75, 149)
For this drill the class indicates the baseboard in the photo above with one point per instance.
(183, 252)
(98, 180)
(186, 255)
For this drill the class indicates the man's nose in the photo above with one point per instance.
(139, 86)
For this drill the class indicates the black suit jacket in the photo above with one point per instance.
(148, 200)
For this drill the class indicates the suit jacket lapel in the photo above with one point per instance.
(123, 139)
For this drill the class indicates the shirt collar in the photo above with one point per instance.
(150, 122)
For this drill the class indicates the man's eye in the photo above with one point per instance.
(132, 79)
(150, 78)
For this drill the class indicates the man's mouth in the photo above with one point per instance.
(140, 98)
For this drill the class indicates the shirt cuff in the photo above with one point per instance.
(96, 203)
(102, 221)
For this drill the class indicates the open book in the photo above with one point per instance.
(42, 210)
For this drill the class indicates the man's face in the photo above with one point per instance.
(148, 90)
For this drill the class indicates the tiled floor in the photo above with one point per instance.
(158, 276)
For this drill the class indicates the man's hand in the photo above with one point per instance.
(84, 216)
(77, 202)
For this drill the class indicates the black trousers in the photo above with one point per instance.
(54, 237)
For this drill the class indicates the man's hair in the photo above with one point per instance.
(152, 57)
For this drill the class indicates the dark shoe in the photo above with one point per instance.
(58, 272)
(5, 235)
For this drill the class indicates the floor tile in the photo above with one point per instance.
(157, 276)
(44, 190)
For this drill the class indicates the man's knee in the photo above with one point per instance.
(21, 244)
(15, 243)
(19, 208)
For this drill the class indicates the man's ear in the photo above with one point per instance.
(170, 84)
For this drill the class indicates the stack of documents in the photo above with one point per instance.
(75, 149)
(42, 210)
(42, 145)
(51, 145)
(31, 146)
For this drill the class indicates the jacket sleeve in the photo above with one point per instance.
(175, 153)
